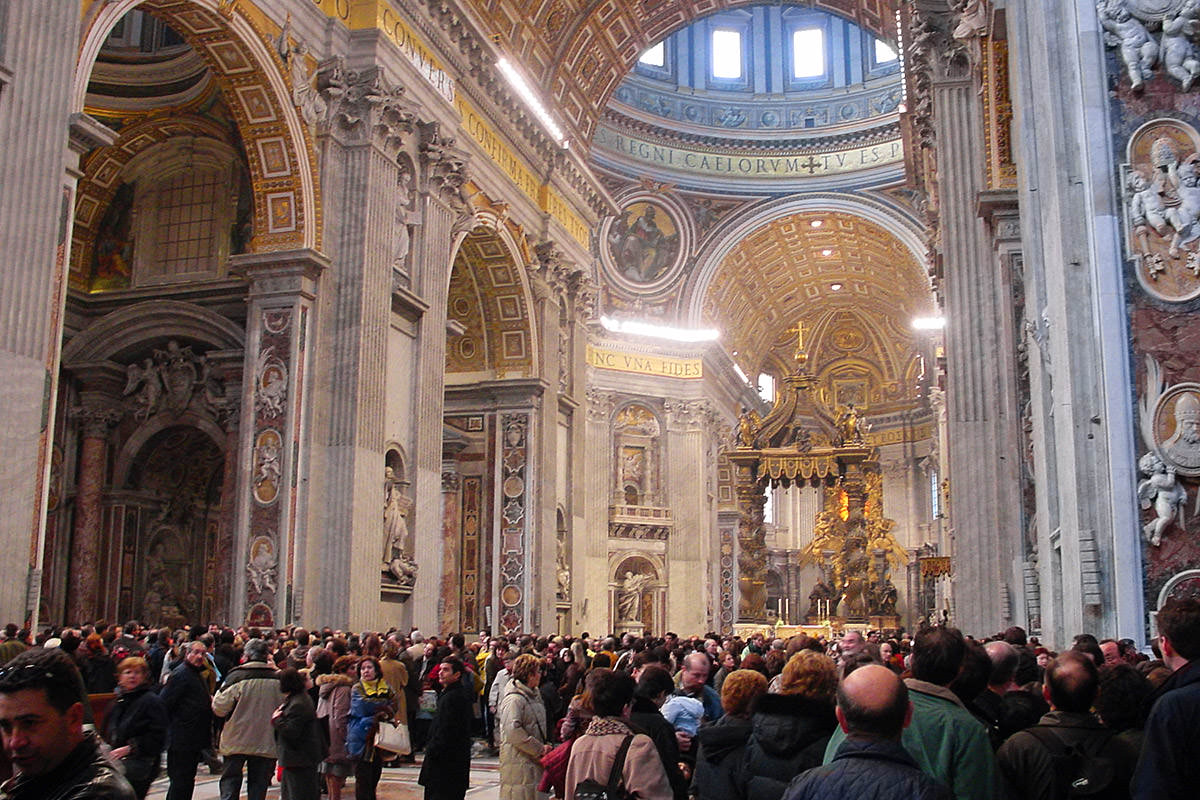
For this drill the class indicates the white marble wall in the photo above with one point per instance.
(37, 176)
(1082, 414)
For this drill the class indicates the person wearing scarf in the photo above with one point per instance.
(371, 701)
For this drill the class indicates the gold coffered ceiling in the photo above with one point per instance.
(578, 51)
(786, 272)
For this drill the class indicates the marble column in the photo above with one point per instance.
(96, 420)
(42, 137)
(448, 605)
(444, 220)
(368, 123)
(550, 286)
(591, 551)
(981, 393)
(1088, 553)
(227, 367)
(273, 452)
(689, 475)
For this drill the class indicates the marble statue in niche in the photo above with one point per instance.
(401, 233)
(1162, 491)
(397, 562)
(562, 571)
(393, 516)
(629, 596)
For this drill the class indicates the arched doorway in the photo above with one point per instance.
(489, 445)
(174, 536)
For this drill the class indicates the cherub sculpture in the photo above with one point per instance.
(1179, 55)
(1161, 490)
(1139, 51)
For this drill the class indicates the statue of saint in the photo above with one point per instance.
(393, 517)
(748, 427)
(849, 425)
(629, 596)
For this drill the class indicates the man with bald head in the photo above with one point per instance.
(872, 710)
(945, 739)
(1027, 759)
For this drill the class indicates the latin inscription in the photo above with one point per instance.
(666, 367)
(787, 166)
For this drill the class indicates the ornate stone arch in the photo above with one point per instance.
(115, 333)
(893, 219)
(490, 296)
(257, 87)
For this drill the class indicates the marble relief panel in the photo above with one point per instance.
(271, 384)
(1156, 130)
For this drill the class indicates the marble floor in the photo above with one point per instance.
(397, 784)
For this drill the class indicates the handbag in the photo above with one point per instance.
(554, 776)
(393, 737)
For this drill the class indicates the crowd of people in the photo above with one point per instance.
(865, 714)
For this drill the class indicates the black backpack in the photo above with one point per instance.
(1081, 770)
(591, 790)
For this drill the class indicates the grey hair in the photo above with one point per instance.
(256, 650)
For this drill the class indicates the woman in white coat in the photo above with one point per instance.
(521, 722)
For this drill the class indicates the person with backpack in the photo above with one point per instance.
(610, 757)
(1069, 753)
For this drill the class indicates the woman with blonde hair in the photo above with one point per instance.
(521, 721)
(790, 729)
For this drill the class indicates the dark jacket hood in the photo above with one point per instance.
(723, 737)
(786, 723)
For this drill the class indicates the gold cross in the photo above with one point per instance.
(799, 331)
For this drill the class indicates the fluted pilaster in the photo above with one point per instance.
(38, 174)
(982, 391)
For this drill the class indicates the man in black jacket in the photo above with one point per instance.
(1029, 760)
(1169, 767)
(873, 710)
(41, 717)
(445, 774)
(189, 732)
